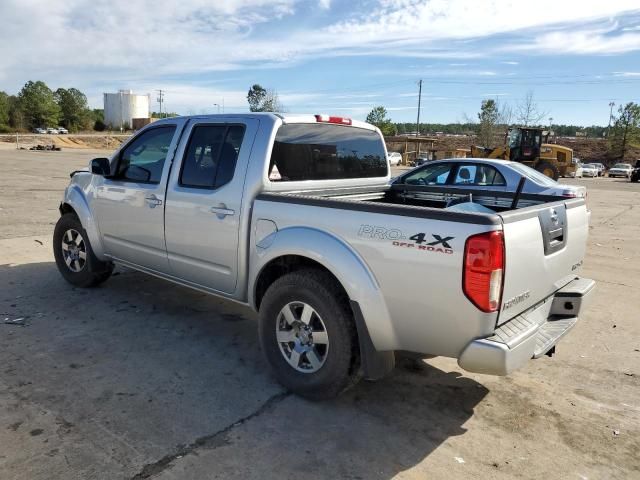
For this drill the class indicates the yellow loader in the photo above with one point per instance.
(524, 145)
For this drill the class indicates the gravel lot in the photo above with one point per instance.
(143, 379)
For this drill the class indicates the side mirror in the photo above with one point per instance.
(100, 166)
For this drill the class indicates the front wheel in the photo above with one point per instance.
(308, 334)
(75, 259)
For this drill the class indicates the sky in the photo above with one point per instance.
(335, 57)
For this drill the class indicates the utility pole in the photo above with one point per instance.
(611, 105)
(160, 100)
(419, 102)
(418, 120)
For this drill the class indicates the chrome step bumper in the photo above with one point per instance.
(530, 334)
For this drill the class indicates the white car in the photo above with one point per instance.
(394, 158)
(621, 170)
(578, 172)
(589, 170)
(39, 130)
(52, 131)
(62, 130)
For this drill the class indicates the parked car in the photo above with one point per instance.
(589, 170)
(394, 158)
(577, 173)
(621, 170)
(486, 174)
(319, 249)
(601, 169)
(635, 175)
(62, 130)
(39, 130)
(52, 131)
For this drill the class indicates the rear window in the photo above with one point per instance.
(534, 175)
(326, 152)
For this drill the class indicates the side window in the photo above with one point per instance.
(481, 175)
(430, 175)
(210, 159)
(488, 175)
(466, 175)
(143, 159)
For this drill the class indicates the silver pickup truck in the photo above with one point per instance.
(295, 216)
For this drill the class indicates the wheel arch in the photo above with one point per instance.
(76, 203)
(296, 247)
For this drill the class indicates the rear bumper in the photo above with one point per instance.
(530, 334)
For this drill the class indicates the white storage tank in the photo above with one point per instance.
(122, 107)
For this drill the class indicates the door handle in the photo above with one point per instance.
(222, 211)
(153, 201)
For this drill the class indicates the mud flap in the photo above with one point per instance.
(375, 365)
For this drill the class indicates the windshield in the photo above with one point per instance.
(534, 175)
(622, 165)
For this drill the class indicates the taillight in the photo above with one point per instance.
(484, 270)
(569, 194)
(332, 119)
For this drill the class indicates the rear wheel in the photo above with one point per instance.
(308, 334)
(548, 169)
(74, 257)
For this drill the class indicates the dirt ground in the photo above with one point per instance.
(143, 379)
(73, 141)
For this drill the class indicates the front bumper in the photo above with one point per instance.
(529, 335)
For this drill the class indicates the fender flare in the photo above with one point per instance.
(342, 261)
(75, 198)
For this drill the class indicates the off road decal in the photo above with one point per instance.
(427, 242)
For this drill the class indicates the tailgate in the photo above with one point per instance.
(544, 248)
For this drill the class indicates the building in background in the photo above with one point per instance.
(121, 108)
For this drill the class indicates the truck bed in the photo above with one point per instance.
(417, 200)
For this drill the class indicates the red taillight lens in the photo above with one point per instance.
(332, 119)
(483, 270)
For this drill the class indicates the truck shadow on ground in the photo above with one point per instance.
(181, 376)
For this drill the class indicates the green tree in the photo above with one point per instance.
(16, 115)
(625, 131)
(378, 117)
(74, 111)
(488, 117)
(255, 97)
(4, 111)
(97, 117)
(263, 100)
(38, 103)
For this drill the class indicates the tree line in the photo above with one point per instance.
(37, 105)
(493, 120)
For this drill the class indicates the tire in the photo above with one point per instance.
(323, 370)
(548, 169)
(74, 256)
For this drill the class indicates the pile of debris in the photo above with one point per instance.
(45, 147)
